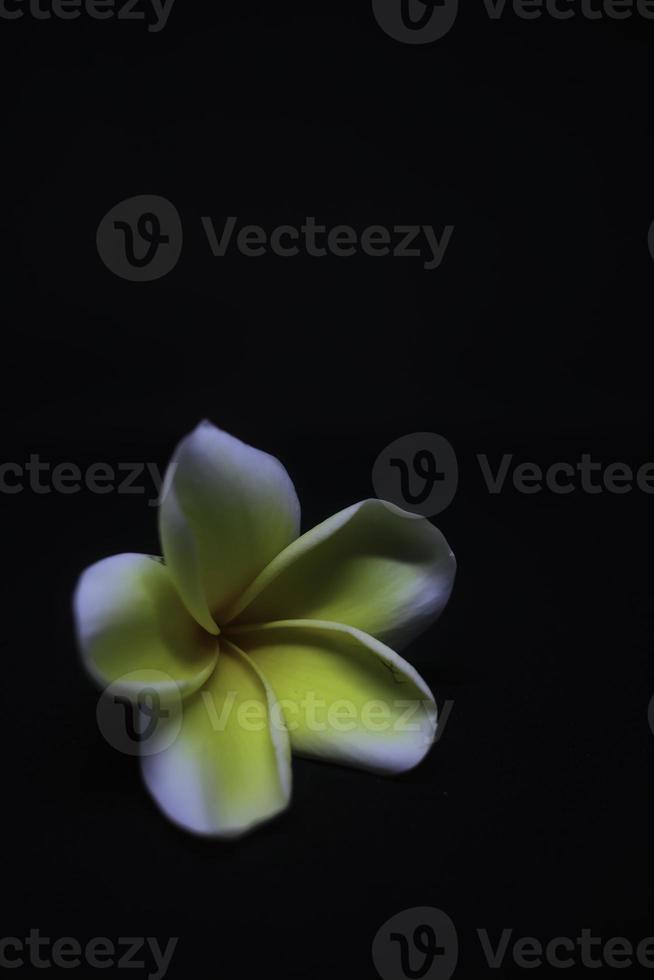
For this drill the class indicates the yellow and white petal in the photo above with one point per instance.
(229, 768)
(372, 566)
(227, 509)
(132, 624)
(346, 697)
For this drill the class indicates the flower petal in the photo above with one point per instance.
(227, 509)
(372, 566)
(131, 621)
(346, 697)
(229, 768)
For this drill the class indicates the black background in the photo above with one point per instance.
(534, 139)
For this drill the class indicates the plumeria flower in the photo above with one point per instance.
(244, 611)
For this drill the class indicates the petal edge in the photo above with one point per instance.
(372, 566)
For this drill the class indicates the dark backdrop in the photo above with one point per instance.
(534, 139)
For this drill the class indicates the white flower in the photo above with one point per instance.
(243, 611)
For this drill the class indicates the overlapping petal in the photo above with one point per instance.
(346, 697)
(274, 642)
(131, 621)
(372, 566)
(229, 767)
(227, 509)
